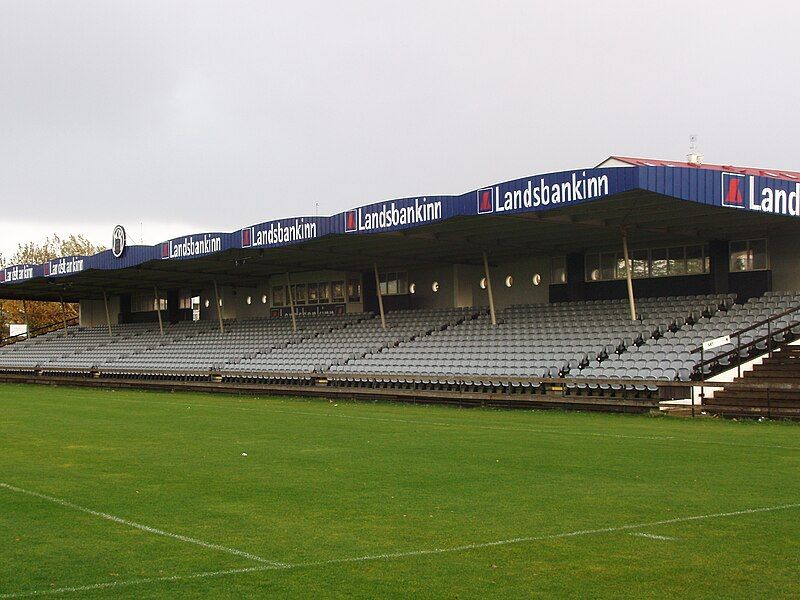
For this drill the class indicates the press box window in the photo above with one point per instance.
(299, 293)
(278, 296)
(394, 283)
(313, 293)
(338, 291)
(694, 260)
(748, 255)
(353, 290)
(656, 262)
(324, 292)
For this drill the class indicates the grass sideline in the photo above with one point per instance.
(329, 489)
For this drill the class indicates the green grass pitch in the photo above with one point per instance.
(133, 494)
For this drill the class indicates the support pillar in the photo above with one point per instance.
(219, 308)
(27, 323)
(64, 314)
(290, 296)
(628, 274)
(380, 296)
(489, 288)
(158, 311)
(108, 314)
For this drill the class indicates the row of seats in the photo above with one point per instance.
(572, 340)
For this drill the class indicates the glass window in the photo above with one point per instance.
(299, 293)
(658, 262)
(593, 267)
(278, 296)
(641, 266)
(739, 256)
(694, 260)
(608, 262)
(324, 292)
(622, 268)
(676, 264)
(391, 283)
(313, 293)
(354, 290)
(338, 291)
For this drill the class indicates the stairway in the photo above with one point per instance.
(771, 389)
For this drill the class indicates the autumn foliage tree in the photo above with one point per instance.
(33, 253)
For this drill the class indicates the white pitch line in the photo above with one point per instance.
(147, 528)
(402, 554)
(652, 536)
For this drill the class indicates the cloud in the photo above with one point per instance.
(222, 114)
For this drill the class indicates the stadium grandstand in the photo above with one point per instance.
(635, 284)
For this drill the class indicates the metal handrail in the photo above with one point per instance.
(50, 327)
(738, 350)
(755, 325)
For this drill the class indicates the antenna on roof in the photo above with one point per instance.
(694, 157)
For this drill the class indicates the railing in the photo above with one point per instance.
(38, 331)
(747, 346)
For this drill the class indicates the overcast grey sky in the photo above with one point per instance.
(195, 116)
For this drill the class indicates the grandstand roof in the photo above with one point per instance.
(550, 213)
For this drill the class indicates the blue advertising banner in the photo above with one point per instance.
(732, 189)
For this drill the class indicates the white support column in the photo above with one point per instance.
(628, 274)
(108, 313)
(380, 296)
(158, 311)
(64, 314)
(291, 301)
(489, 288)
(219, 308)
(27, 323)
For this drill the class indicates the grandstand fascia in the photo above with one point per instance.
(534, 194)
(441, 238)
(393, 214)
(64, 266)
(775, 200)
(17, 273)
(279, 232)
(190, 246)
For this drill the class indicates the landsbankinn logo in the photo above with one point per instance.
(350, 221)
(485, 200)
(191, 246)
(734, 186)
(63, 266)
(280, 232)
(16, 273)
(397, 213)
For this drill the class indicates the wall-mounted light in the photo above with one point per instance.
(537, 279)
(509, 281)
(207, 303)
(483, 283)
(412, 288)
(435, 286)
(249, 300)
(264, 299)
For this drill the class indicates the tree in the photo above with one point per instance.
(43, 313)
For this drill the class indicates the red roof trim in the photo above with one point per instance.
(649, 162)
